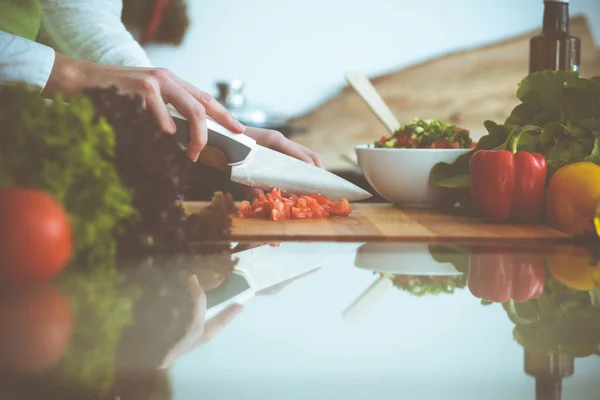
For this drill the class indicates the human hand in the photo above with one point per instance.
(267, 138)
(276, 141)
(157, 87)
(199, 331)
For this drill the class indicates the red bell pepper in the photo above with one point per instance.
(508, 185)
(501, 275)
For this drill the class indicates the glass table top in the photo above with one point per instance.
(312, 320)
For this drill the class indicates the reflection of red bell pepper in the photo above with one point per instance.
(501, 276)
(509, 185)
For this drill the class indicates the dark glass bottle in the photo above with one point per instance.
(549, 371)
(555, 48)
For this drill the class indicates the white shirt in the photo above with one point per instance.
(89, 30)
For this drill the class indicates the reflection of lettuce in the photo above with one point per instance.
(421, 285)
(102, 309)
(561, 320)
(455, 255)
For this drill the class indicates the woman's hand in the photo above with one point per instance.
(267, 138)
(276, 141)
(156, 87)
(200, 332)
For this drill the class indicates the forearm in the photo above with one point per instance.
(23, 60)
(68, 75)
(90, 30)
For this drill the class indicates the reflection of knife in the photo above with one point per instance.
(267, 267)
(262, 168)
(263, 269)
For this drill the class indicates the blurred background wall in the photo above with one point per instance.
(292, 55)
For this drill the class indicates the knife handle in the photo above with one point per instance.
(235, 147)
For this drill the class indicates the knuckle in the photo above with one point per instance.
(205, 98)
(147, 87)
(276, 136)
(199, 110)
(161, 74)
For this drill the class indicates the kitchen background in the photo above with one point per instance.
(292, 57)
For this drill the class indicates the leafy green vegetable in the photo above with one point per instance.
(563, 106)
(426, 133)
(453, 175)
(102, 308)
(422, 285)
(57, 147)
(455, 254)
(568, 322)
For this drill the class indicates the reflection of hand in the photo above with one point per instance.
(199, 331)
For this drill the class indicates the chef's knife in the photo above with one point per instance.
(262, 168)
(262, 270)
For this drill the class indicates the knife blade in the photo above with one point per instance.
(262, 168)
(269, 267)
(265, 169)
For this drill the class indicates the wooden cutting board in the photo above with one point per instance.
(383, 222)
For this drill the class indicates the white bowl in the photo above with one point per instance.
(402, 259)
(402, 176)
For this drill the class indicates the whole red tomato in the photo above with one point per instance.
(35, 235)
(36, 327)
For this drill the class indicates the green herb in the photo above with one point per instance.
(420, 285)
(57, 147)
(426, 134)
(561, 113)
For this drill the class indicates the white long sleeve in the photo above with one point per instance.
(90, 30)
(22, 60)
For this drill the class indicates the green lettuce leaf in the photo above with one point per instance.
(594, 156)
(545, 88)
(456, 175)
(581, 100)
(563, 106)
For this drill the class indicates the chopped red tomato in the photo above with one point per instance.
(246, 209)
(276, 207)
(297, 213)
(340, 208)
(321, 199)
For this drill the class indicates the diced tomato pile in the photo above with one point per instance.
(275, 207)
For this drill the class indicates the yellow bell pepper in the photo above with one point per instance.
(574, 267)
(572, 198)
(597, 220)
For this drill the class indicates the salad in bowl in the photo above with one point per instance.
(398, 167)
(427, 134)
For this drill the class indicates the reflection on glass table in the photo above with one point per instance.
(550, 293)
(147, 329)
(109, 333)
